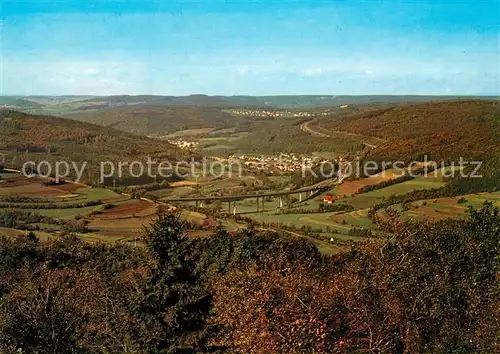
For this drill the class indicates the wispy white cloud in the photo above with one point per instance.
(312, 71)
(265, 74)
(71, 77)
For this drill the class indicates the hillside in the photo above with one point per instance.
(316, 101)
(286, 102)
(441, 130)
(182, 101)
(25, 137)
(143, 119)
(19, 103)
(64, 105)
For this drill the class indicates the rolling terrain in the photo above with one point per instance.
(25, 137)
(368, 131)
(440, 130)
(68, 104)
(156, 120)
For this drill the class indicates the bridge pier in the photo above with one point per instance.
(231, 200)
(234, 208)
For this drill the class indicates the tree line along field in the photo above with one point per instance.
(124, 220)
(340, 225)
(117, 217)
(393, 265)
(336, 224)
(107, 216)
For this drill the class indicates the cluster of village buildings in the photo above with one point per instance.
(266, 113)
(184, 144)
(279, 162)
(282, 162)
(272, 113)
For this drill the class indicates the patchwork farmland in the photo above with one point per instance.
(107, 215)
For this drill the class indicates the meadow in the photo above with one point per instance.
(110, 215)
(116, 217)
(452, 207)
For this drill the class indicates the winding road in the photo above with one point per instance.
(306, 128)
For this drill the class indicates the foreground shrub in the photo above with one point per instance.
(431, 288)
(68, 296)
(428, 288)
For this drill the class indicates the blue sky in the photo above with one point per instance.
(250, 47)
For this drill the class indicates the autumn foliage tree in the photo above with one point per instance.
(431, 288)
(69, 296)
(427, 288)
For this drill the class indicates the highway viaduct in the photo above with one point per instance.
(302, 193)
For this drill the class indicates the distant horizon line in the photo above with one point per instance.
(243, 95)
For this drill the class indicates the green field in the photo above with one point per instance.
(369, 199)
(79, 196)
(189, 132)
(219, 143)
(217, 148)
(126, 225)
(405, 187)
(442, 208)
(64, 213)
(359, 217)
(13, 233)
(223, 131)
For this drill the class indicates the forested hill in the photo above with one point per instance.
(143, 119)
(31, 137)
(67, 104)
(440, 130)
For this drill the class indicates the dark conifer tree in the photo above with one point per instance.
(175, 301)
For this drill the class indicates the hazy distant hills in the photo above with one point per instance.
(66, 104)
(411, 123)
(19, 102)
(282, 102)
(171, 101)
(444, 130)
(289, 102)
(72, 104)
